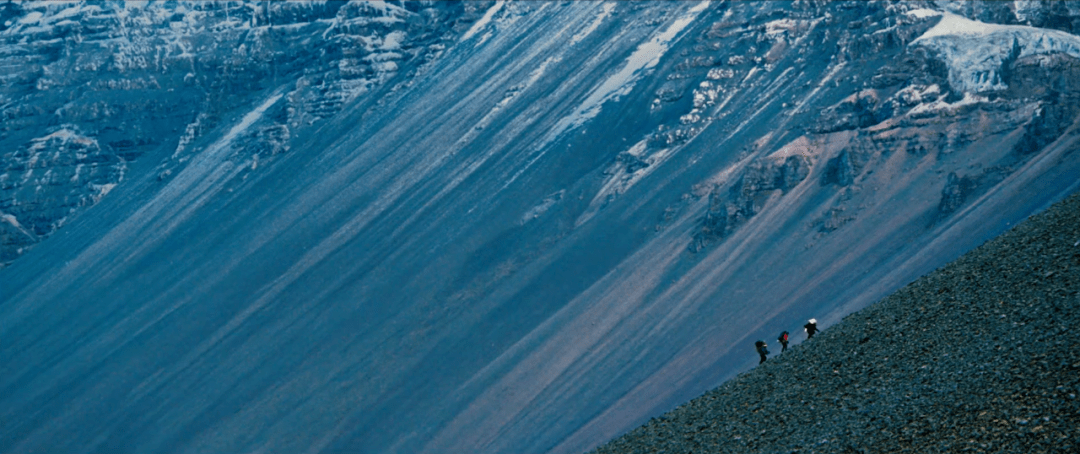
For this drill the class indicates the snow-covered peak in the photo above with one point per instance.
(976, 52)
(952, 24)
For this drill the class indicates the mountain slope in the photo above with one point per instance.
(974, 357)
(543, 223)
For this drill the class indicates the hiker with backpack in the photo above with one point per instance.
(783, 341)
(761, 350)
(811, 328)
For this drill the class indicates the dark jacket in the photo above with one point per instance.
(762, 350)
(811, 328)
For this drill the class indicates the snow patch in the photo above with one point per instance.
(385, 67)
(189, 135)
(32, 18)
(952, 24)
(797, 147)
(74, 11)
(720, 73)
(774, 29)
(385, 9)
(923, 13)
(10, 219)
(603, 15)
(976, 52)
(102, 190)
(392, 41)
(484, 21)
(63, 135)
(14, 222)
(543, 207)
(813, 93)
(644, 58)
(247, 121)
(917, 94)
(941, 105)
(623, 176)
(537, 73)
(383, 56)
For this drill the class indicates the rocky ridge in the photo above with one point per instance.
(973, 357)
(926, 107)
(91, 87)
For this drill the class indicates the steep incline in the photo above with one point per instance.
(974, 357)
(481, 227)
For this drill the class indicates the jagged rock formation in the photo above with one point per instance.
(923, 102)
(758, 183)
(132, 77)
(841, 169)
(974, 357)
(957, 189)
(37, 181)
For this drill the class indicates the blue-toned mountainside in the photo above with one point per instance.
(484, 226)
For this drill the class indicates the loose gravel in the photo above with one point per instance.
(977, 356)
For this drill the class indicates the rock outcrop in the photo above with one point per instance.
(957, 189)
(926, 106)
(758, 184)
(37, 183)
(126, 77)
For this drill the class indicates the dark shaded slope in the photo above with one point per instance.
(974, 357)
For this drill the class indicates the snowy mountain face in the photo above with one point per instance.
(481, 226)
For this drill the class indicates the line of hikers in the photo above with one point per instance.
(810, 329)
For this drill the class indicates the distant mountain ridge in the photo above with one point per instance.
(482, 226)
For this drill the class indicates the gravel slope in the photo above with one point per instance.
(977, 356)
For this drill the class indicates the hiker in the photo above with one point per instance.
(761, 350)
(811, 328)
(783, 341)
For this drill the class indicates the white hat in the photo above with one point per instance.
(813, 322)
